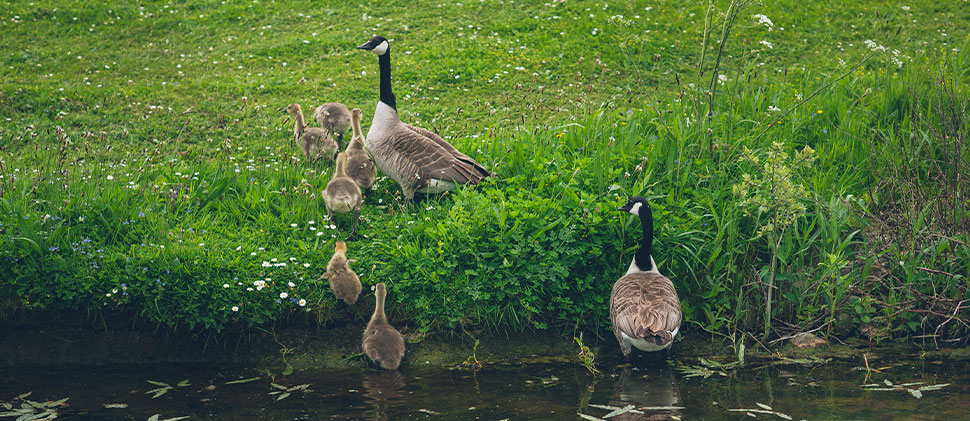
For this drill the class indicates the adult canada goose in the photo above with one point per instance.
(334, 117)
(342, 194)
(644, 306)
(359, 165)
(382, 342)
(419, 160)
(315, 142)
(343, 281)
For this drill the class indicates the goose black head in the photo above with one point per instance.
(377, 45)
(634, 204)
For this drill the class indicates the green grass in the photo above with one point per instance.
(144, 166)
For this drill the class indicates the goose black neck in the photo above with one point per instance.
(643, 254)
(387, 97)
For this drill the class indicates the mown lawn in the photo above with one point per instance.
(146, 173)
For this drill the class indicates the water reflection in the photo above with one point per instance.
(383, 389)
(654, 387)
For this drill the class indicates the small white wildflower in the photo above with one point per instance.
(235, 308)
(284, 295)
(302, 302)
(291, 284)
(225, 285)
(762, 19)
(767, 44)
(110, 177)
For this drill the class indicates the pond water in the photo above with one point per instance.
(831, 390)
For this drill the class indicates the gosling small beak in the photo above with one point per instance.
(281, 109)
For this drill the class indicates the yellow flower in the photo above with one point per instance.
(819, 111)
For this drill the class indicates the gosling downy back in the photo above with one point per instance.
(343, 280)
(359, 165)
(419, 160)
(334, 117)
(644, 307)
(342, 194)
(382, 342)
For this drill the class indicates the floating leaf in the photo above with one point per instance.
(283, 396)
(763, 406)
(916, 393)
(243, 380)
(184, 383)
(115, 405)
(154, 417)
(156, 383)
(278, 386)
(22, 396)
(887, 382)
(619, 411)
(288, 370)
(588, 417)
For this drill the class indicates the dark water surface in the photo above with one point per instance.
(530, 392)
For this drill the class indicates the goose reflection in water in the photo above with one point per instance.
(656, 387)
(383, 390)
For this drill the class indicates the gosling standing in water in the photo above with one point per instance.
(382, 342)
(359, 165)
(644, 306)
(342, 194)
(343, 281)
(315, 142)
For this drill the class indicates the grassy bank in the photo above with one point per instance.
(146, 175)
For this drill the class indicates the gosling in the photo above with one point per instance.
(342, 194)
(334, 117)
(343, 281)
(315, 142)
(359, 165)
(382, 342)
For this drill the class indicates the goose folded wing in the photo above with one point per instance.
(433, 160)
(432, 136)
(647, 312)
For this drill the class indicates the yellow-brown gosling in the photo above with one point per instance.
(315, 142)
(644, 306)
(342, 194)
(334, 117)
(343, 281)
(359, 165)
(382, 342)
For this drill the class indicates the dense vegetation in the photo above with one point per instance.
(806, 163)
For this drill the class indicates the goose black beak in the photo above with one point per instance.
(625, 208)
(365, 46)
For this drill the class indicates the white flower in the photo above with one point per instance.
(302, 302)
(235, 308)
(293, 225)
(762, 19)
(110, 177)
(306, 265)
(291, 284)
(311, 222)
(225, 285)
(249, 289)
(284, 295)
(773, 108)
(767, 44)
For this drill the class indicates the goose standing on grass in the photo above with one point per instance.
(315, 142)
(419, 160)
(343, 281)
(334, 117)
(342, 194)
(382, 342)
(359, 165)
(644, 306)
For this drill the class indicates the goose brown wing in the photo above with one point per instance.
(645, 306)
(436, 160)
(481, 172)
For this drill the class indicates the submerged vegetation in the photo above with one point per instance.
(818, 180)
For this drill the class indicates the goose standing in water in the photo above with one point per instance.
(644, 306)
(382, 342)
(359, 165)
(313, 141)
(419, 160)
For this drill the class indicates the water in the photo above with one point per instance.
(516, 392)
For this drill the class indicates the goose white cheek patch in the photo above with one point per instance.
(380, 49)
(636, 208)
